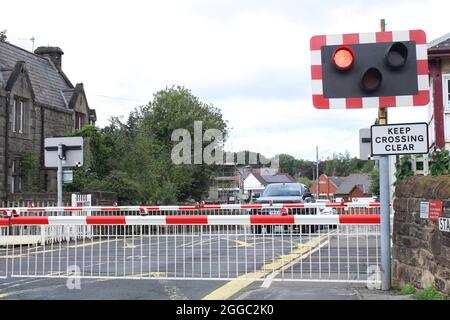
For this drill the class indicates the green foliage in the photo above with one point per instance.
(403, 168)
(28, 171)
(3, 36)
(374, 178)
(343, 165)
(440, 162)
(307, 182)
(429, 294)
(133, 158)
(408, 289)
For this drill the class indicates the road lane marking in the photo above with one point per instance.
(234, 286)
(268, 281)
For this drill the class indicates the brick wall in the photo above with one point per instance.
(421, 253)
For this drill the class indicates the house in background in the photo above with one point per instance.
(255, 182)
(37, 101)
(439, 107)
(353, 188)
(327, 186)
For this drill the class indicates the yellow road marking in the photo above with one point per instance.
(234, 286)
(243, 244)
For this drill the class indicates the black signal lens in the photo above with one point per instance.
(396, 55)
(371, 79)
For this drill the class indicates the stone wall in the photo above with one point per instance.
(421, 253)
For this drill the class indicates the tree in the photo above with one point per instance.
(374, 179)
(3, 36)
(133, 158)
(288, 164)
(440, 162)
(403, 169)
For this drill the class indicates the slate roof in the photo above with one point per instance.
(361, 179)
(440, 44)
(337, 181)
(47, 82)
(277, 178)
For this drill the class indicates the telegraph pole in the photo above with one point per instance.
(317, 171)
(385, 223)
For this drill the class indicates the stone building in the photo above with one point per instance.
(37, 101)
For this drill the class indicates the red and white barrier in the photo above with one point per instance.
(196, 220)
(144, 209)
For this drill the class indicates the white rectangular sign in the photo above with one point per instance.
(397, 139)
(73, 151)
(444, 224)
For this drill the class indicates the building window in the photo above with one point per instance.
(79, 120)
(16, 184)
(17, 116)
(446, 90)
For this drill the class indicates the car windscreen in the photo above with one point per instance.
(283, 191)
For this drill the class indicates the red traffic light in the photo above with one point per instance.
(343, 58)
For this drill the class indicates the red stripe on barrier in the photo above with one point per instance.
(212, 206)
(374, 204)
(251, 206)
(73, 209)
(155, 208)
(106, 220)
(29, 220)
(294, 205)
(188, 208)
(272, 219)
(4, 222)
(35, 210)
(187, 219)
(336, 205)
(110, 209)
(359, 219)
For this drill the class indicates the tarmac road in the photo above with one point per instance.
(212, 265)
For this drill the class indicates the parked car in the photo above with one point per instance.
(285, 193)
(282, 193)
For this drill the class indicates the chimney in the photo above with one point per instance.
(53, 53)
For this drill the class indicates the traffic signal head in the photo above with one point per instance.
(382, 69)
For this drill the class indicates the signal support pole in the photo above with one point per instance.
(60, 174)
(385, 216)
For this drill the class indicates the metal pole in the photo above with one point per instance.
(385, 224)
(317, 171)
(59, 175)
(385, 200)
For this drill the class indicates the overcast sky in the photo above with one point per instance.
(248, 58)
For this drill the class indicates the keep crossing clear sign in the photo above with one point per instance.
(398, 139)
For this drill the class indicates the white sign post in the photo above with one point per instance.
(63, 152)
(399, 139)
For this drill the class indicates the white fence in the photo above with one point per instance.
(216, 247)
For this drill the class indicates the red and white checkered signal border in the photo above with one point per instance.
(320, 102)
(195, 220)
